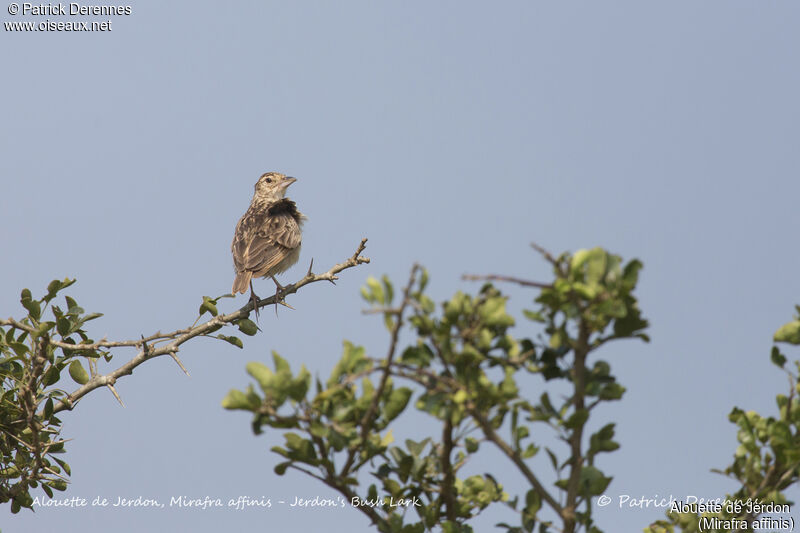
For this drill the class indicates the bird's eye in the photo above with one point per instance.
(269, 180)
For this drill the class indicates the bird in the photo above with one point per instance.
(268, 236)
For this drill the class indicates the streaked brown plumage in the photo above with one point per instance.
(268, 236)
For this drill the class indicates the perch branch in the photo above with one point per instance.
(171, 342)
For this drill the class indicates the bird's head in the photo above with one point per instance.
(272, 186)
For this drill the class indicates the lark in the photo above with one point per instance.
(268, 236)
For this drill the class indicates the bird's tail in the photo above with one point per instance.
(241, 282)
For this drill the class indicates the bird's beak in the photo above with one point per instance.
(288, 181)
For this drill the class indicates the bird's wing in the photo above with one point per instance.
(261, 242)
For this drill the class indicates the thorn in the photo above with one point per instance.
(114, 392)
(279, 297)
(309, 267)
(177, 360)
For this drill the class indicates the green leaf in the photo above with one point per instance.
(547, 406)
(91, 316)
(236, 399)
(78, 373)
(530, 451)
(536, 316)
(494, 313)
(52, 289)
(611, 391)
(388, 289)
(789, 332)
(236, 341)
(558, 339)
(420, 355)
(396, 403)
(780, 434)
(416, 448)
(300, 385)
(578, 259)
(44, 327)
(388, 321)
(596, 266)
(375, 290)
(533, 502)
(601, 441)
(64, 465)
(52, 376)
(585, 291)
(300, 448)
(387, 439)
(281, 366)
(577, 419)
(423, 279)
(353, 360)
(777, 357)
(261, 373)
(55, 286)
(33, 308)
(75, 310)
(471, 444)
(48, 408)
(63, 326)
(209, 305)
(19, 348)
(630, 275)
(593, 481)
(247, 326)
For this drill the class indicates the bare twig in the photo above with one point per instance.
(544, 253)
(381, 311)
(519, 281)
(510, 279)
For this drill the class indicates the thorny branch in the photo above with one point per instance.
(147, 345)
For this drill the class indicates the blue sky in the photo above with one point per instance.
(449, 133)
